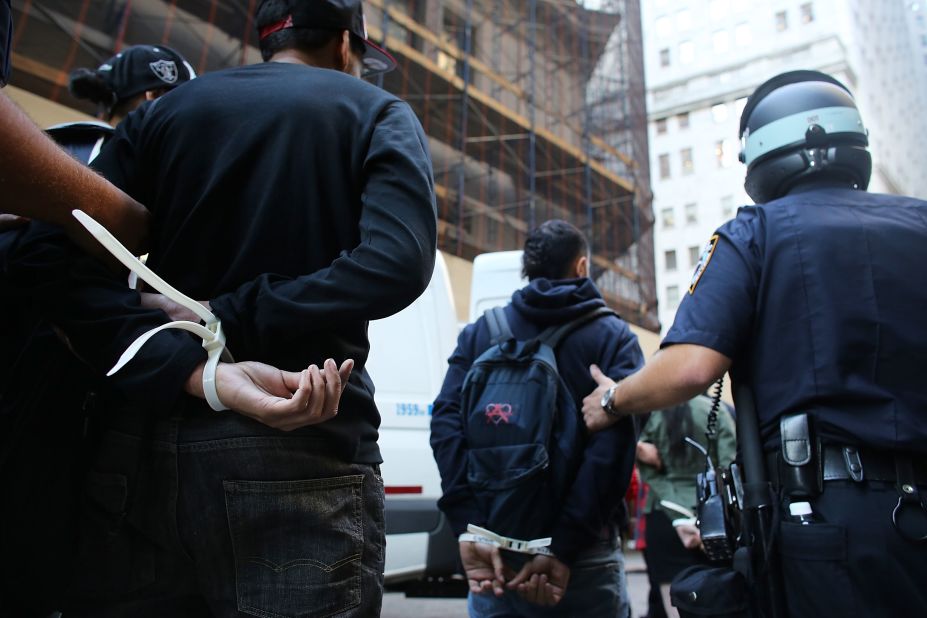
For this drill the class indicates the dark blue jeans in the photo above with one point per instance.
(185, 524)
(597, 587)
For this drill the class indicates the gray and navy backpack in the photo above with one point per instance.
(524, 433)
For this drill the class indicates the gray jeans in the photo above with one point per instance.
(243, 526)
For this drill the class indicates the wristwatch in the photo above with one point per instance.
(607, 401)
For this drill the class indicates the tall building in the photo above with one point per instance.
(525, 122)
(704, 57)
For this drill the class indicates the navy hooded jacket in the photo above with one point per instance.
(594, 500)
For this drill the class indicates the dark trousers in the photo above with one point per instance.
(188, 525)
(851, 561)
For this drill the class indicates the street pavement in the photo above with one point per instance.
(396, 605)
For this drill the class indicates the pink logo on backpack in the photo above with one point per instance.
(498, 413)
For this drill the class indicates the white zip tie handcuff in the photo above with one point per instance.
(211, 334)
(475, 534)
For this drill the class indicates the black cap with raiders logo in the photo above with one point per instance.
(327, 15)
(132, 71)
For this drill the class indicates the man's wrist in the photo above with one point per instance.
(194, 384)
(608, 402)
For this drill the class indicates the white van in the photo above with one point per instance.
(408, 360)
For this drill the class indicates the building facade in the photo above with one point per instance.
(525, 120)
(704, 57)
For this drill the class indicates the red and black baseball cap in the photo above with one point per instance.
(325, 15)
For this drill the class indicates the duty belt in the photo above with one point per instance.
(854, 464)
(211, 333)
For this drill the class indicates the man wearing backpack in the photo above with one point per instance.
(582, 519)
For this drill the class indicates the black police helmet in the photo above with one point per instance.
(797, 125)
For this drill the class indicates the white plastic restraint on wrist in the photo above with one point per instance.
(475, 534)
(211, 334)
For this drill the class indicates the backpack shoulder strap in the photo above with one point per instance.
(555, 334)
(499, 331)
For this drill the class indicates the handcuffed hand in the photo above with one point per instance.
(542, 580)
(594, 414)
(483, 567)
(284, 400)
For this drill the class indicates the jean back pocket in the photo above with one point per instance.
(297, 545)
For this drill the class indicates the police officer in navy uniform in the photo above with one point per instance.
(815, 299)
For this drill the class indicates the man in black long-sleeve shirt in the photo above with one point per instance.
(299, 201)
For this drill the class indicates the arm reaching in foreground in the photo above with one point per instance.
(673, 375)
(40, 180)
(284, 400)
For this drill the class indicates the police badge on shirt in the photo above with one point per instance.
(703, 261)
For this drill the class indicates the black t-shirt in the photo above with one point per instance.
(300, 202)
(6, 39)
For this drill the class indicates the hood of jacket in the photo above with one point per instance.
(544, 302)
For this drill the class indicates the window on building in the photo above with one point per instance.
(683, 20)
(807, 13)
(725, 152)
(661, 126)
(663, 26)
(447, 62)
(664, 166)
(720, 41)
(664, 57)
(492, 231)
(727, 206)
(685, 156)
(694, 255)
(668, 218)
(742, 35)
(782, 21)
(683, 120)
(691, 214)
(719, 8)
(669, 260)
(719, 112)
(686, 52)
(672, 296)
(455, 31)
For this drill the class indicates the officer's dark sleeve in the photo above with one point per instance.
(6, 40)
(608, 458)
(718, 310)
(390, 267)
(98, 313)
(447, 439)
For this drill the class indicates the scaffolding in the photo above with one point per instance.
(534, 109)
